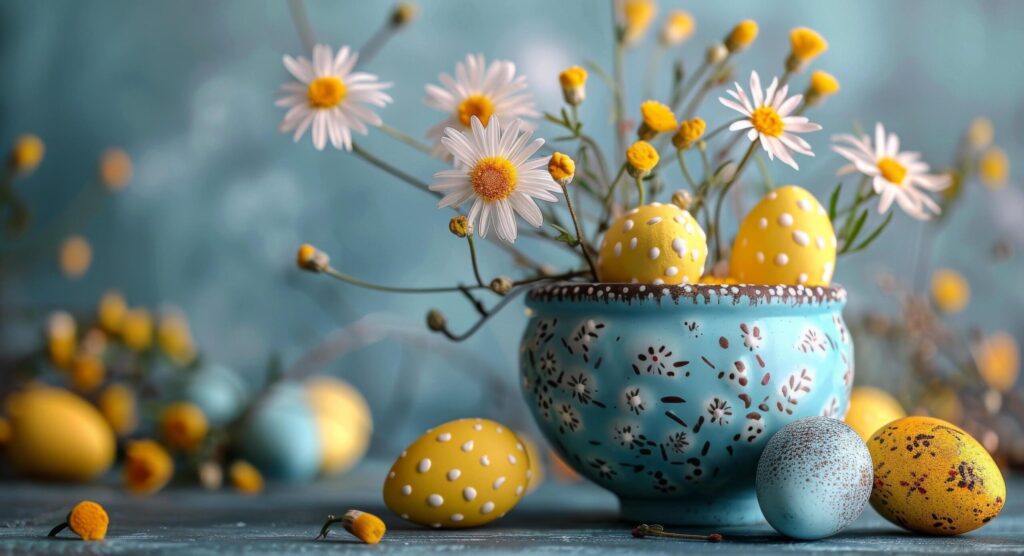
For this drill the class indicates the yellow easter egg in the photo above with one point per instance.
(463, 473)
(343, 421)
(931, 477)
(57, 435)
(653, 244)
(787, 238)
(870, 409)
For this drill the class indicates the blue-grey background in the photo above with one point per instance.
(220, 199)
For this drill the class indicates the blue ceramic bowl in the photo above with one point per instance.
(666, 395)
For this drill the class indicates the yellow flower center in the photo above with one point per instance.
(767, 121)
(493, 178)
(326, 92)
(892, 171)
(475, 105)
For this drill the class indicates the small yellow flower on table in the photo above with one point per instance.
(88, 520)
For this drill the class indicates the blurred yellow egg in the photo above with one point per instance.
(787, 238)
(653, 244)
(537, 471)
(462, 473)
(344, 422)
(870, 409)
(57, 435)
(931, 477)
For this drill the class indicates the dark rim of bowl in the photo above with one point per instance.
(754, 294)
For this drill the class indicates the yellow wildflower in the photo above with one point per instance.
(27, 154)
(950, 290)
(137, 329)
(980, 133)
(147, 467)
(741, 36)
(994, 168)
(562, 168)
(636, 18)
(88, 520)
(184, 426)
(111, 311)
(459, 226)
(87, 372)
(365, 527)
(998, 361)
(403, 14)
(574, 85)
(805, 45)
(690, 131)
(174, 337)
(61, 338)
(245, 478)
(642, 158)
(118, 405)
(656, 118)
(678, 27)
(75, 256)
(312, 259)
(823, 84)
(115, 169)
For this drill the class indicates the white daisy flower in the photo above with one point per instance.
(768, 118)
(479, 90)
(895, 175)
(329, 98)
(492, 168)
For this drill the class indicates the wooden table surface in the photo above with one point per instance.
(558, 518)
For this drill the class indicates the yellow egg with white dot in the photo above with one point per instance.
(463, 473)
(653, 244)
(787, 238)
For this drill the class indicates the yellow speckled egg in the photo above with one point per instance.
(57, 435)
(787, 238)
(343, 420)
(463, 473)
(933, 478)
(870, 409)
(653, 244)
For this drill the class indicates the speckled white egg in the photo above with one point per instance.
(787, 238)
(463, 473)
(814, 478)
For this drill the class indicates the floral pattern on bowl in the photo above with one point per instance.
(666, 395)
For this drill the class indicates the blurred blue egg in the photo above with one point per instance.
(814, 478)
(281, 438)
(215, 389)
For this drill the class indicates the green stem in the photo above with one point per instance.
(407, 139)
(579, 234)
(338, 275)
(725, 192)
(620, 85)
(691, 83)
(686, 172)
(472, 256)
(407, 178)
(640, 189)
(302, 25)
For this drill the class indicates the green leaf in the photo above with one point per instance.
(833, 201)
(855, 231)
(874, 235)
(565, 236)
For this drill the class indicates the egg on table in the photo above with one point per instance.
(813, 478)
(653, 244)
(301, 431)
(215, 389)
(870, 409)
(932, 477)
(787, 238)
(463, 473)
(57, 435)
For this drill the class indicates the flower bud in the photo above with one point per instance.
(655, 118)
(312, 259)
(459, 226)
(403, 14)
(682, 199)
(364, 526)
(742, 35)
(716, 53)
(641, 157)
(562, 168)
(27, 154)
(501, 285)
(690, 131)
(436, 320)
(574, 85)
